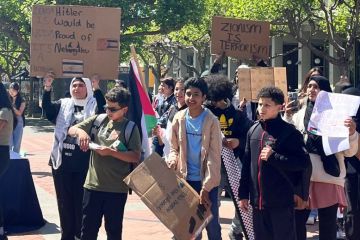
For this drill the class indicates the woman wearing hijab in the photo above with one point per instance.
(69, 163)
(19, 107)
(328, 175)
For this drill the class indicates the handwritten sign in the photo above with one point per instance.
(241, 39)
(169, 197)
(329, 113)
(251, 80)
(75, 41)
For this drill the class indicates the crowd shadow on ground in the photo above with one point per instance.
(47, 229)
(40, 125)
(42, 174)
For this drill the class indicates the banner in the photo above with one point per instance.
(75, 41)
(240, 39)
(251, 80)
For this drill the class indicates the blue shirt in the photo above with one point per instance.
(193, 144)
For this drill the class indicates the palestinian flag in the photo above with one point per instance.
(140, 109)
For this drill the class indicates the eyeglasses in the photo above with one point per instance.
(111, 109)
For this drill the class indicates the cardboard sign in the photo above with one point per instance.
(251, 80)
(241, 39)
(169, 197)
(75, 41)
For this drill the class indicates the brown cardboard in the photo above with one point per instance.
(75, 41)
(251, 80)
(169, 197)
(241, 39)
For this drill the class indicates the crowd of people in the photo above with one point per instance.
(285, 174)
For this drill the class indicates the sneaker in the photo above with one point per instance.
(235, 236)
(310, 220)
(340, 234)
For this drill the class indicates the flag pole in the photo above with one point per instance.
(135, 58)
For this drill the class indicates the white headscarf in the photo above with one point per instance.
(65, 117)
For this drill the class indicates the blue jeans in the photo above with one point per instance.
(16, 137)
(213, 228)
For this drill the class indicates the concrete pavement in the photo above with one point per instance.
(139, 222)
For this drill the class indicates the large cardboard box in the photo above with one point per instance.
(75, 41)
(241, 39)
(169, 197)
(251, 80)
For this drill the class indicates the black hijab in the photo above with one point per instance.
(314, 142)
(324, 85)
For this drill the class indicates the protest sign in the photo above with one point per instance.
(327, 120)
(75, 41)
(251, 80)
(329, 113)
(169, 197)
(241, 39)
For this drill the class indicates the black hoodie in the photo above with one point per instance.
(274, 182)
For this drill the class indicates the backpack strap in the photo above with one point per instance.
(252, 128)
(128, 131)
(96, 125)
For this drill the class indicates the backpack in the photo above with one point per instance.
(129, 128)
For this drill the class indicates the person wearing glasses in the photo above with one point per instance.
(69, 163)
(105, 192)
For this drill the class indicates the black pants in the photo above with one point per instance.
(301, 217)
(327, 222)
(69, 194)
(352, 216)
(4, 163)
(274, 224)
(98, 204)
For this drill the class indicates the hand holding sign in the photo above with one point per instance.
(351, 125)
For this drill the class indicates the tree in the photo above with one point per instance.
(334, 21)
(14, 35)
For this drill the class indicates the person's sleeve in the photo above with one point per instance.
(51, 108)
(86, 124)
(246, 123)
(244, 187)
(215, 68)
(174, 142)
(4, 113)
(242, 125)
(296, 157)
(353, 140)
(135, 141)
(212, 173)
(100, 101)
(261, 63)
(289, 119)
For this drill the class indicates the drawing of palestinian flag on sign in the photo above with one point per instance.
(72, 68)
(107, 44)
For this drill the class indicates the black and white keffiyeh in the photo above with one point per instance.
(233, 172)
